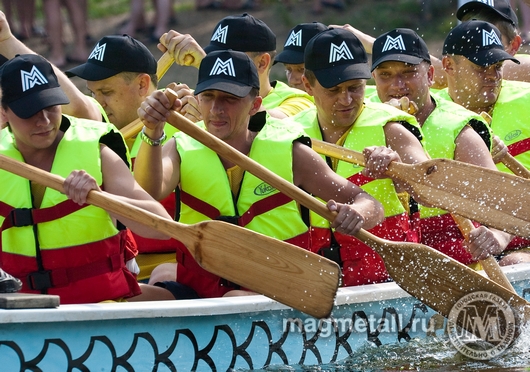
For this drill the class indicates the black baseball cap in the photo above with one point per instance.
(336, 56)
(29, 85)
(243, 33)
(402, 45)
(114, 54)
(228, 71)
(478, 41)
(299, 36)
(500, 7)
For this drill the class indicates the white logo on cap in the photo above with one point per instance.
(488, 2)
(336, 53)
(220, 34)
(223, 68)
(394, 43)
(98, 52)
(32, 78)
(490, 38)
(294, 39)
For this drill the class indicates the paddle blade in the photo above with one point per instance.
(487, 196)
(436, 279)
(286, 273)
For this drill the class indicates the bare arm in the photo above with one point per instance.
(355, 208)
(119, 183)
(157, 168)
(409, 148)
(470, 148)
(80, 105)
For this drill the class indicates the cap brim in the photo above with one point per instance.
(490, 57)
(331, 76)
(91, 72)
(290, 56)
(230, 87)
(399, 57)
(31, 104)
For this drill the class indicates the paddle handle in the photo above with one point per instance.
(134, 127)
(337, 152)
(490, 264)
(508, 160)
(350, 156)
(515, 166)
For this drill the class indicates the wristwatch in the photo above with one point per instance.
(150, 141)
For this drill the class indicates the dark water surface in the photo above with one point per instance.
(435, 354)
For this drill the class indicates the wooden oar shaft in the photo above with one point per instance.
(508, 160)
(515, 166)
(134, 127)
(284, 272)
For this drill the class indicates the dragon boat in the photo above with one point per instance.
(217, 334)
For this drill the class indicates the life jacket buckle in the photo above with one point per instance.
(21, 217)
(40, 280)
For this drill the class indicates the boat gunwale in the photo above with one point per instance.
(210, 306)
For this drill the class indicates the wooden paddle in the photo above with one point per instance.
(487, 196)
(432, 277)
(490, 264)
(164, 63)
(281, 271)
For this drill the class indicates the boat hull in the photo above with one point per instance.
(219, 334)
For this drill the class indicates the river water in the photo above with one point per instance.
(434, 354)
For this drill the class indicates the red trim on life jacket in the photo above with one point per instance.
(199, 205)
(260, 207)
(519, 147)
(263, 206)
(33, 216)
(359, 179)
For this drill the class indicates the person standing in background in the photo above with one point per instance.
(25, 10)
(54, 27)
(163, 19)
